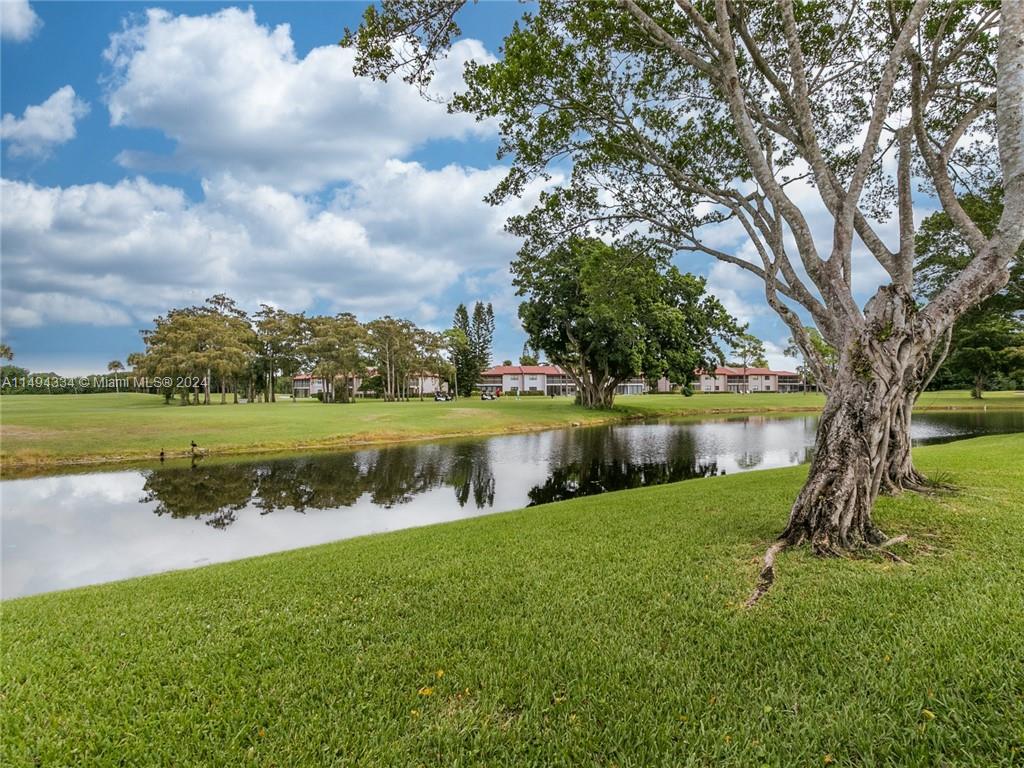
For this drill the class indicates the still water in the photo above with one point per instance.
(75, 529)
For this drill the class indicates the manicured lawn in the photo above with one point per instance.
(600, 631)
(41, 429)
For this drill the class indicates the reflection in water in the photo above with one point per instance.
(589, 462)
(582, 463)
(215, 492)
(69, 530)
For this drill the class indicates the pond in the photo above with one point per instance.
(70, 530)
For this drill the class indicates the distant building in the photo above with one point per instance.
(307, 385)
(543, 379)
(733, 379)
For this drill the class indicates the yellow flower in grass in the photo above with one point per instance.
(426, 690)
(439, 674)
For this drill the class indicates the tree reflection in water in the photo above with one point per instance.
(579, 463)
(217, 491)
(212, 492)
(589, 462)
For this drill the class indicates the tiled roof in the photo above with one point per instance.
(516, 370)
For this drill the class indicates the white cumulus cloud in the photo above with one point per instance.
(136, 248)
(235, 97)
(43, 126)
(18, 22)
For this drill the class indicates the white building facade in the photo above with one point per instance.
(735, 379)
(549, 380)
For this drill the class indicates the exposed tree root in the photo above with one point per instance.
(883, 548)
(894, 540)
(913, 483)
(767, 577)
(823, 549)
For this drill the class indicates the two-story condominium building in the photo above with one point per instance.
(543, 379)
(306, 385)
(732, 379)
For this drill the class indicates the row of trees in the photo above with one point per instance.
(217, 346)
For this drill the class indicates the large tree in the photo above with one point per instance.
(190, 345)
(678, 116)
(606, 314)
(986, 346)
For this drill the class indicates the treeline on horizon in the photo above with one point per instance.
(217, 348)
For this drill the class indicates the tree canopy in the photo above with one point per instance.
(605, 314)
(669, 119)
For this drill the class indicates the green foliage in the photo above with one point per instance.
(402, 353)
(987, 346)
(191, 345)
(278, 340)
(607, 313)
(988, 341)
(470, 344)
(749, 351)
(333, 347)
(827, 355)
(605, 630)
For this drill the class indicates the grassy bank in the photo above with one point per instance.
(600, 631)
(41, 430)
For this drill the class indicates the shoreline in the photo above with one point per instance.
(15, 468)
(406, 642)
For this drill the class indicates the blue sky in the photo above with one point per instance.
(155, 155)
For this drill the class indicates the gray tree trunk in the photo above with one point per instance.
(862, 444)
(900, 474)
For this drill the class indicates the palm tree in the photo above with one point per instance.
(6, 353)
(114, 366)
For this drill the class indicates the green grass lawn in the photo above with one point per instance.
(600, 631)
(38, 430)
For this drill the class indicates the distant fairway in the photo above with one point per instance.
(39, 430)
